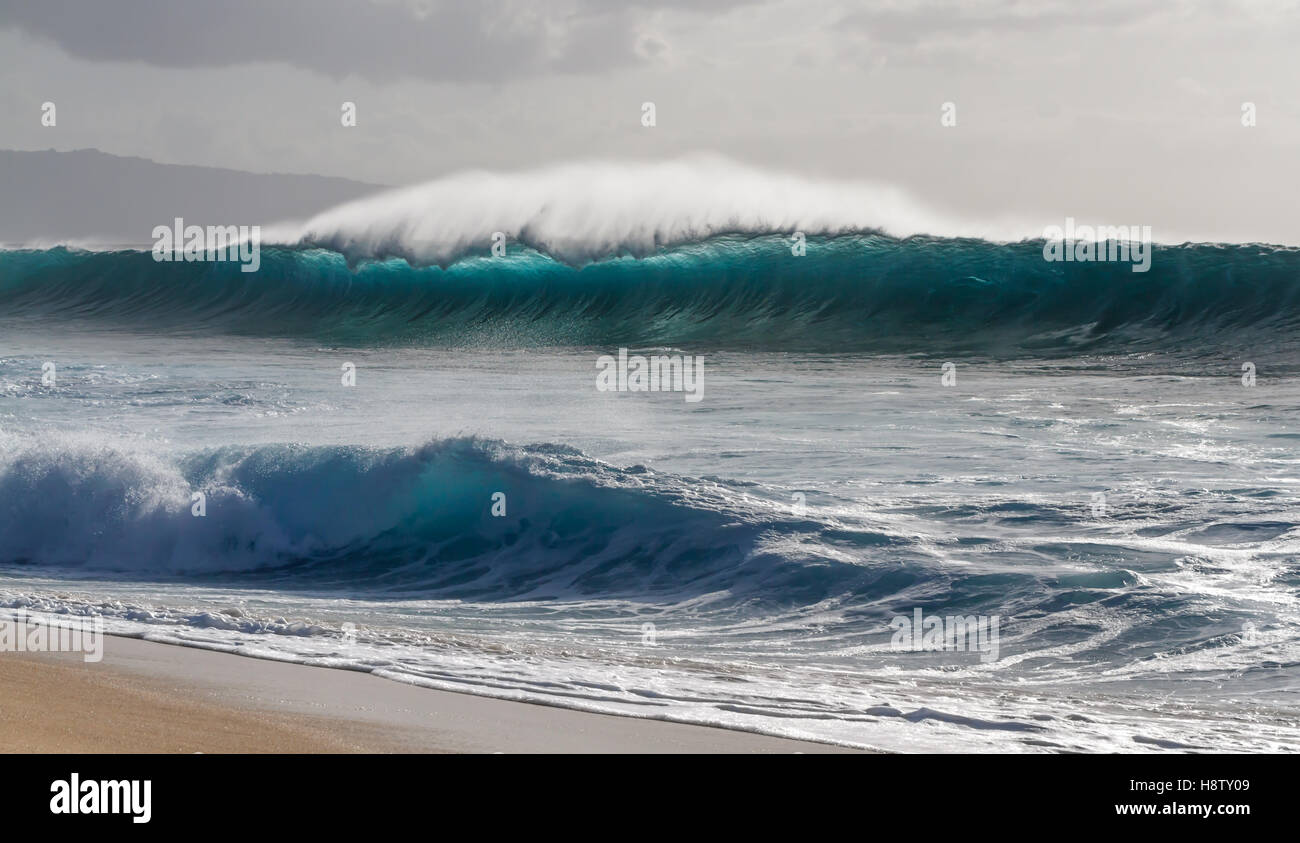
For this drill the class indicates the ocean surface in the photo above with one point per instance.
(1095, 468)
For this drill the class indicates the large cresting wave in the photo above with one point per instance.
(851, 293)
(696, 253)
(466, 517)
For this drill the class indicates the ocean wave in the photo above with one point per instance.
(849, 293)
(460, 517)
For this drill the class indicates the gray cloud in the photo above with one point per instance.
(381, 40)
(917, 23)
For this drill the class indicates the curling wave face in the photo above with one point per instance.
(850, 293)
(418, 521)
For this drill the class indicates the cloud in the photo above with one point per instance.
(915, 23)
(381, 40)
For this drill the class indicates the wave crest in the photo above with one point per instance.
(577, 213)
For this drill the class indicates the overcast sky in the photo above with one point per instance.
(1125, 112)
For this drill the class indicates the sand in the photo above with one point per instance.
(151, 697)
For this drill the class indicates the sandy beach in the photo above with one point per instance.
(150, 697)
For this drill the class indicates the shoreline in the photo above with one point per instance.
(147, 696)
